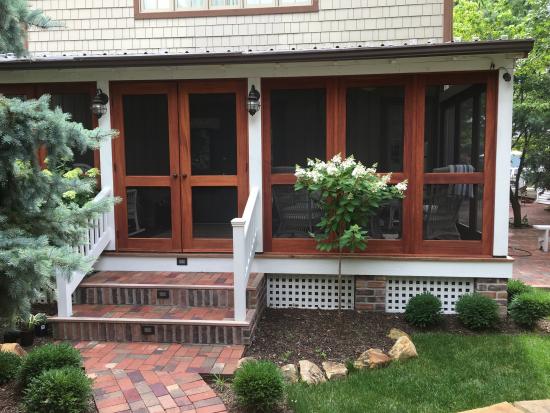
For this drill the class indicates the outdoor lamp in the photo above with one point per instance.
(99, 103)
(253, 103)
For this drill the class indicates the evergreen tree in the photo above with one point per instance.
(15, 17)
(40, 221)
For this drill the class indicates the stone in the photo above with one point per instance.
(311, 373)
(13, 348)
(403, 349)
(244, 360)
(395, 333)
(335, 371)
(372, 359)
(534, 406)
(504, 407)
(290, 373)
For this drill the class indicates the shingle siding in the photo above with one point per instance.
(93, 26)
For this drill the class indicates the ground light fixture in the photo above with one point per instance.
(99, 103)
(253, 102)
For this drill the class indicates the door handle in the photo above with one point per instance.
(184, 176)
(174, 175)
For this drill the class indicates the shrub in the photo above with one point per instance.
(46, 357)
(258, 385)
(529, 307)
(517, 287)
(9, 366)
(65, 390)
(477, 311)
(423, 310)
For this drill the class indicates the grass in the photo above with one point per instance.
(453, 373)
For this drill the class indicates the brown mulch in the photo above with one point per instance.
(9, 398)
(289, 335)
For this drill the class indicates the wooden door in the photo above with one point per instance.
(147, 166)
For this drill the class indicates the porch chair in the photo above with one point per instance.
(131, 196)
(297, 212)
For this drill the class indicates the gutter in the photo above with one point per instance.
(521, 47)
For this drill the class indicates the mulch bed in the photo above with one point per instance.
(289, 335)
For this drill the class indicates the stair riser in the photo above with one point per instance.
(164, 333)
(181, 297)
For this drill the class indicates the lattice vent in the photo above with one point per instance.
(309, 291)
(400, 289)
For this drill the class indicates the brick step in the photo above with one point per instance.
(165, 289)
(139, 323)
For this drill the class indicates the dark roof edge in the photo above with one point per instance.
(315, 55)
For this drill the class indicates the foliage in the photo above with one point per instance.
(47, 357)
(454, 373)
(477, 311)
(516, 287)
(348, 194)
(64, 390)
(9, 366)
(529, 307)
(531, 122)
(38, 224)
(258, 385)
(423, 310)
(14, 16)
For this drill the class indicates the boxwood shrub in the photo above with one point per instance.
(46, 357)
(9, 366)
(517, 287)
(477, 312)
(529, 307)
(258, 386)
(423, 310)
(65, 390)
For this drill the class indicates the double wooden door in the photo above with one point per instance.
(180, 163)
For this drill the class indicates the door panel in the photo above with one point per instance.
(147, 166)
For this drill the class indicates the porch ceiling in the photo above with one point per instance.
(521, 47)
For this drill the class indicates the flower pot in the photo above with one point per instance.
(11, 336)
(41, 330)
(27, 338)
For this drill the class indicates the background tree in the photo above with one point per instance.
(491, 19)
(40, 218)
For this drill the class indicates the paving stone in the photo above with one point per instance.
(534, 406)
(504, 407)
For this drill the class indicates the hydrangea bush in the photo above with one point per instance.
(349, 195)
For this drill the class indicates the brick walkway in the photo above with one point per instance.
(156, 377)
(531, 264)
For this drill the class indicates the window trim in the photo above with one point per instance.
(240, 10)
(415, 85)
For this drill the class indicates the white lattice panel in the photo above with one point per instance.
(399, 290)
(309, 291)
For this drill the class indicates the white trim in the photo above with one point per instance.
(352, 266)
(255, 159)
(502, 164)
(106, 164)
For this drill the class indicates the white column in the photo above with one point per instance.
(64, 298)
(255, 157)
(239, 269)
(106, 163)
(503, 159)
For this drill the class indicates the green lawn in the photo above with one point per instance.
(452, 373)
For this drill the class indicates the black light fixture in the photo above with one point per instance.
(253, 103)
(99, 103)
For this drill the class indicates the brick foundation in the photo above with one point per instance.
(494, 288)
(370, 293)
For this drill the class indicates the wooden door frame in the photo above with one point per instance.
(122, 181)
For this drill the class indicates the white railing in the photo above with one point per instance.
(100, 233)
(245, 242)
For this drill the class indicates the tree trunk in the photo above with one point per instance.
(340, 281)
(516, 208)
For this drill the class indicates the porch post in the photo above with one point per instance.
(106, 165)
(255, 158)
(502, 172)
(64, 295)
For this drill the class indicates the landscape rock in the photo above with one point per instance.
(395, 333)
(372, 359)
(311, 373)
(290, 373)
(244, 360)
(13, 348)
(403, 349)
(335, 371)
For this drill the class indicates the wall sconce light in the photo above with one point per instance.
(253, 102)
(99, 103)
(507, 76)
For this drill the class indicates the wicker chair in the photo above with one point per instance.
(441, 213)
(297, 212)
